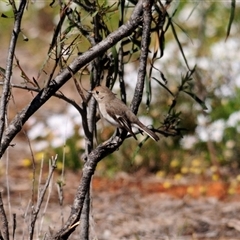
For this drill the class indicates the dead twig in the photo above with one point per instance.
(4, 233)
(42, 192)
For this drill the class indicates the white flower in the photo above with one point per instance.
(233, 119)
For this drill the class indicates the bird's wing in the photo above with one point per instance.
(119, 115)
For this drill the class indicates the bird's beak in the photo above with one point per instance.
(90, 92)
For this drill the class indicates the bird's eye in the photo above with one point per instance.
(97, 92)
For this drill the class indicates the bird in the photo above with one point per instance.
(117, 112)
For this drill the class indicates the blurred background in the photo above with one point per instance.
(209, 146)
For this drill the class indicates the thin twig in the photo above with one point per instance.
(25, 218)
(121, 74)
(60, 185)
(57, 95)
(32, 225)
(8, 184)
(47, 200)
(41, 197)
(14, 225)
(147, 18)
(3, 221)
(97, 72)
(89, 168)
(8, 74)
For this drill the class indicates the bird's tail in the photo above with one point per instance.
(150, 133)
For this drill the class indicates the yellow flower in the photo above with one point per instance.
(39, 156)
(174, 163)
(59, 166)
(231, 191)
(215, 177)
(238, 177)
(196, 162)
(178, 176)
(190, 190)
(202, 189)
(184, 170)
(26, 162)
(167, 185)
(160, 174)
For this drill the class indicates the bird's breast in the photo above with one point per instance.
(106, 116)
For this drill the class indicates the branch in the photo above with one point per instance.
(91, 161)
(125, 30)
(147, 19)
(6, 86)
(35, 210)
(4, 233)
(59, 95)
(89, 168)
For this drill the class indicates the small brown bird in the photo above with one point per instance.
(117, 113)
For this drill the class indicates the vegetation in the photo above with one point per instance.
(153, 53)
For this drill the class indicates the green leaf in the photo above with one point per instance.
(162, 43)
(179, 44)
(196, 3)
(156, 44)
(115, 58)
(148, 91)
(232, 14)
(165, 87)
(52, 3)
(197, 99)
(2, 72)
(4, 16)
(25, 38)
(138, 148)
